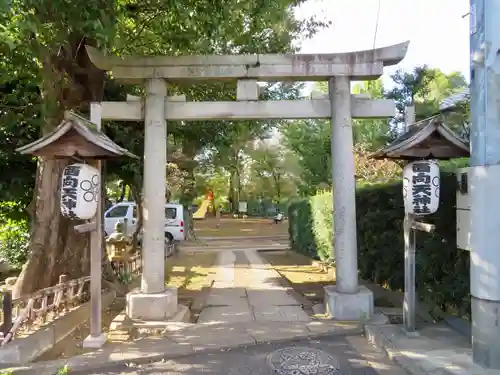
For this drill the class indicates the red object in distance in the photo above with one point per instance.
(211, 196)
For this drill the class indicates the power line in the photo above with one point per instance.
(376, 24)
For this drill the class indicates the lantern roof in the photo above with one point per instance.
(426, 139)
(75, 136)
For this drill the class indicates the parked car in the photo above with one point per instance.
(174, 220)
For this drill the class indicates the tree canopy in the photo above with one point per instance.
(45, 71)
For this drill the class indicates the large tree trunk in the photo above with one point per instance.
(189, 184)
(277, 185)
(235, 188)
(230, 194)
(55, 247)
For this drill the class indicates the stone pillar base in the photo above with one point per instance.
(93, 342)
(345, 306)
(153, 306)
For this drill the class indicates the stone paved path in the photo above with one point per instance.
(247, 289)
(326, 356)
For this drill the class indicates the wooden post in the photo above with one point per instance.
(96, 339)
(7, 312)
(409, 265)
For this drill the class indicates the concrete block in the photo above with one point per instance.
(345, 306)
(154, 306)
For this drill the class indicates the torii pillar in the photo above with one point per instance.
(344, 301)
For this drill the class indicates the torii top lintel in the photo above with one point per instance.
(360, 65)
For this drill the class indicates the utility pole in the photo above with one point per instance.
(485, 181)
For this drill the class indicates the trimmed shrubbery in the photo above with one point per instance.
(442, 269)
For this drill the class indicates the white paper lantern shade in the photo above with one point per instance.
(80, 190)
(421, 183)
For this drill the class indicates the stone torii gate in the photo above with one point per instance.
(347, 300)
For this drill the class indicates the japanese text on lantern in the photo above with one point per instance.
(421, 188)
(69, 190)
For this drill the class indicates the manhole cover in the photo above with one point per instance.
(302, 361)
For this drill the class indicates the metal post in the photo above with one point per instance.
(409, 306)
(96, 339)
(485, 179)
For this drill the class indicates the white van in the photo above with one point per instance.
(174, 219)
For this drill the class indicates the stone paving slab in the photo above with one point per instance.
(278, 297)
(217, 301)
(183, 339)
(438, 350)
(201, 338)
(224, 289)
(280, 314)
(226, 297)
(227, 314)
(248, 289)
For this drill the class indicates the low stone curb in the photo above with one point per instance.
(377, 338)
(27, 349)
(251, 238)
(169, 348)
(234, 248)
(437, 350)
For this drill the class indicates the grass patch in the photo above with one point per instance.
(304, 278)
(190, 273)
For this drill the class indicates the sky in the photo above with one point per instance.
(438, 34)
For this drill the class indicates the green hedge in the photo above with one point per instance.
(442, 269)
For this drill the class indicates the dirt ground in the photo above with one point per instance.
(230, 227)
(304, 277)
(309, 280)
(190, 273)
